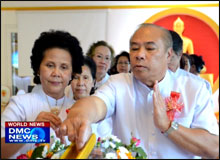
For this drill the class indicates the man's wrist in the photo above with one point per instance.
(163, 131)
(174, 126)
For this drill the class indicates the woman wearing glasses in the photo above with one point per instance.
(102, 53)
(122, 63)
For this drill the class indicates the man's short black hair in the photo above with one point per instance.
(177, 43)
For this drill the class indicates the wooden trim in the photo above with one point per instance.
(106, 7)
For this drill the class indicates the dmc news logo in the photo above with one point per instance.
(27, 132)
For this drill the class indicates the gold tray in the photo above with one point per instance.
(71, 152)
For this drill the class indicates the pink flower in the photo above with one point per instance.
(136, 141)
(22, 156)
(99, 139)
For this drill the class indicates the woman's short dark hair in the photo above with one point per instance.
(197, 61)
(113, 70)
(92, 48)
(123, 53)
(56, 39)
(88, 61)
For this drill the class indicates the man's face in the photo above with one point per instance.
(148, 56)
(174, 62)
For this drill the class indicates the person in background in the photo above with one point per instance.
(177, 49)
(82, 86)
(197, 64)
(122, 63)
(175, 62)
(56, 55)
(102, 53)
(185, 62)
(136, 103)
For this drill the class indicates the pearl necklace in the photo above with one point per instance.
(55, 110)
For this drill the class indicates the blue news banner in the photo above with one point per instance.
(27, 132)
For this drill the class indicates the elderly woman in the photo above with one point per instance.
(56, 55)
(102, 53)
(82, 86)
(122, 63)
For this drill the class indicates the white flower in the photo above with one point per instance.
(61, 146)
(115, 138)
(104, 139)
(123, 155)
(57, 140)
(52, 146)
(105, 144)
(123, 149)
(111, 155)
(55, 156)
(44, 153)
(123, 152)
(112, 144)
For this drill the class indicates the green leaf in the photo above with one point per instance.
(37, 152)
(118, 144)
(141, 152)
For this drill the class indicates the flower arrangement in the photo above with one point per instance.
(44, 150)
(174, 105)
(109, 148)
(112, 148)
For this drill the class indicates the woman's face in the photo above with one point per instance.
(102, 58)
(123, 65)
(55, 71)
(187, 64)
(82, 83)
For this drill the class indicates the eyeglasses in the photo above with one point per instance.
(125, 63)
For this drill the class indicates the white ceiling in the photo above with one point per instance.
(5, 4)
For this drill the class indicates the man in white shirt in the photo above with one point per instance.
(174, 64)
(177, 49)
(136, 103)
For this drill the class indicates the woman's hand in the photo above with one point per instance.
(54, 120)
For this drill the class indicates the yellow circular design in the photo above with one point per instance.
(185, 11)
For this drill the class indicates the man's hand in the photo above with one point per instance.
(161, 120)
(54, 120)
(78, 130)
(83, 113)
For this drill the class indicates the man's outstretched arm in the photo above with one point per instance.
(80, 117)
